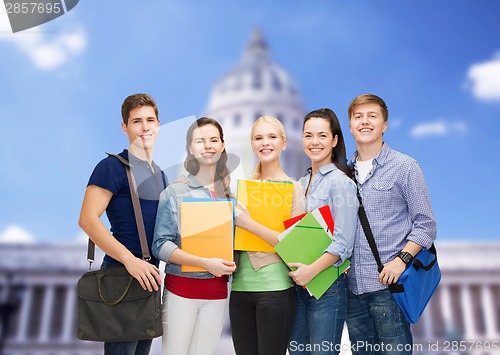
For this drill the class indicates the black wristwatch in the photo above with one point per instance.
(405, 256)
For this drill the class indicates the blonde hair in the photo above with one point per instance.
(281, 131)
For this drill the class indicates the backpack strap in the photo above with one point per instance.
(366, 228)
(137, 212)
(120, 158)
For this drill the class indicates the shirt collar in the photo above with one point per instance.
(193, 181)
(323, 170)
(134, 161)
(380, 158)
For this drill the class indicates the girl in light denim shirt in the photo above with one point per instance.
(194, 303)
(318, 324)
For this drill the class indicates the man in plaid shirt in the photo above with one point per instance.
(397, 204)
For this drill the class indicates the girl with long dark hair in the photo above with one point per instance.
(194, 303)
(318, 324)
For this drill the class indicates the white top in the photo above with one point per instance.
(363, 168)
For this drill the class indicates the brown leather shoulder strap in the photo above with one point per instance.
(137, 212)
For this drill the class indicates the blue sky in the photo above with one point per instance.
(436, 63)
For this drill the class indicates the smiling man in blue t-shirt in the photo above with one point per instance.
(108, 190)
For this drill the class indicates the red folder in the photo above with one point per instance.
(325, 213)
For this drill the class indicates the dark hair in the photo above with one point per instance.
(137, 100)
(192, 165)
(338, 152)
(368, 99)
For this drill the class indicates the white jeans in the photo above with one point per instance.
(191, 326)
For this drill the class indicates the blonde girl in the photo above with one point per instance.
(262, 301)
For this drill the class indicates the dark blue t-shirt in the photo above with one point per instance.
(110, 174)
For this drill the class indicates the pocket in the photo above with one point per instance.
(319, 198)
(381, 185)
(382, 191)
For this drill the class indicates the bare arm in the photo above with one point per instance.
(95, 201)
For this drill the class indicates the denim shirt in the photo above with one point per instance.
(167, 236)
(330, 186)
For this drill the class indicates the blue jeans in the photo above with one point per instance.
(140, 347)
(377, 325)
(318, 324)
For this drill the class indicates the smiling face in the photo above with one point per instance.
(367, 124)
(267, 141)
(206, 145)
(142, 128)
(318, 141)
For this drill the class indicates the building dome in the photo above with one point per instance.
(255, 80)
(257, 87)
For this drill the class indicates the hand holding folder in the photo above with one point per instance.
(269, 203)
(304, 242)
(207, 229)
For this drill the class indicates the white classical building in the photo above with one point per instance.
(256, 87)
(38, 282)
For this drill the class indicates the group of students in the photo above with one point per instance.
(270, 310)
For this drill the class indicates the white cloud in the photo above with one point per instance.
(438, 128)
(16, 235)
(48, 51)
(485, 79)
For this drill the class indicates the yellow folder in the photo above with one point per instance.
(269, 203)
(207, 229)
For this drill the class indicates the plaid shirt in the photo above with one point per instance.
(398, 208)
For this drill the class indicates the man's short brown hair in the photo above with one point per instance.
(137, 100)
(368, 99)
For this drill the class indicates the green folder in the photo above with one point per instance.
(305, 242)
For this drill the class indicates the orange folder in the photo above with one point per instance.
(269, 203)
(207, 229)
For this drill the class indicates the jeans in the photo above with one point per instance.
(191, 326)
(377, 325)
(318, 324)
(261, 321)
(141, 347)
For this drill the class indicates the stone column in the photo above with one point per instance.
(489, 312)
(24, 315)
(47, 312)
(70, 310)
(468, 313)
(446, 309)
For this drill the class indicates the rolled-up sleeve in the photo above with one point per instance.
(345, 214)
(166, 234)
(424, 229)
